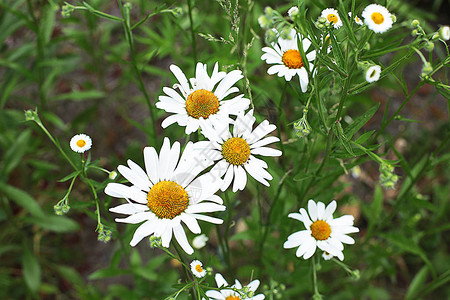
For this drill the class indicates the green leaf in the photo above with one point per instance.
(22, 199)
(364, 137)
(70, 176)
(55, 223)
(377, 204)
(359, 122)
(108, 272)
(417, 283)
(14, 154)
(80, 95)
(31, 270)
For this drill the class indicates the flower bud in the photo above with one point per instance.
(415, 23)
(444, 33)
(429, 46)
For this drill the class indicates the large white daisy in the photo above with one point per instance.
(228, 294)
(236, 150)
(377, 18)
(286, 59)
(201, 97)
(167, 193)
(322, 231)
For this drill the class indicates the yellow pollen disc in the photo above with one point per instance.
(233, 298)
(320, 230)
(202, 103)
(167, 199)
(357, 19)
(377, 18)
(332, 18)
(198, 268)
(81, 143)
(236, 151)
(292, 59)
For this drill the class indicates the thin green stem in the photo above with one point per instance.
(226, 248)
(191, 25)
(316, 288)
(185, 267)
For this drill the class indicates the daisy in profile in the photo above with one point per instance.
(286, 59)
(247, 292)
(332, 17)
(322, 231)
(236, 150)
(356, 19)
(80, 143)
(201, 97)
(197, 269)
(377, 18)
(373, 73)
(167, 194)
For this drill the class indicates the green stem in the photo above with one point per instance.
(280, 110)
(185, 267)
(227, 228)
(129, 37)
(316, 288)
(191, 24)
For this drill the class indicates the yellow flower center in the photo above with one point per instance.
(332, 18)
(377, 18)
(357, 20)
(202, 103)
(236, 151)
(198, 268)
(320, 230)
(292, 59)
(81, 143)
(167, 199)
(233, 298)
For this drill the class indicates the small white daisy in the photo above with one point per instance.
(197, 269)
(81, 143)
(167, 193)
(293, 12)
(227, 294)
(201, 97)
(377, 18)
(444, 33)
(200, 241)
(236, 151)
(357, 20)
(322, 231)
(327, 256)
(373, 73)
(332, 17)
(286, 59)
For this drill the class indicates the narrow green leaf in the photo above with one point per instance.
(364, 137)
(417, 283)
(377, 204)
(359, 122)
(108, 272)
(22, 199)
(55, 223)
(14, 154)
(31, 270)
(70, 176)
(80, 95)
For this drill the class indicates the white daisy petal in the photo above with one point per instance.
(181, 238)
(128, 208)
(142, 231)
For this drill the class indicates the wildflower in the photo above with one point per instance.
(377, 18)
(200, 241)
(197, 269)
(326, 42)
(373, 73)
(246, 292)
(302, 127)
(112, 175)
(293, 12)
(286, 58)
(81, 143)
(444, 33)
(326, 255)
(322, 231)
(357, 20)
(236, 151)
(332, 17)
(202, 97)
(168, 193)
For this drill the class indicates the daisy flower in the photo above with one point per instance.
(166, 194)
(332, 17)
(322, 231)
(377, 18)
(227, 294)
(236, 151)
(201, 97)
(357, 20)
(286, 59)
(327, 256)
(293, 12)
(197, 269)
(81, 143)
(373, 73)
